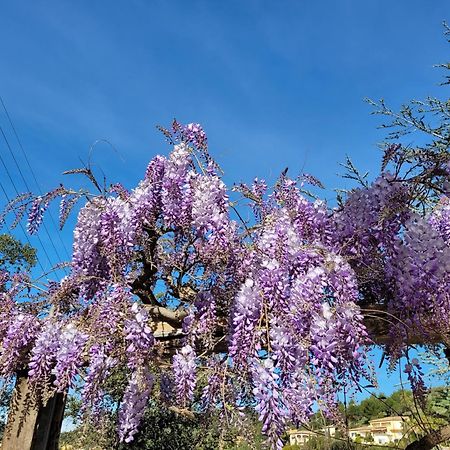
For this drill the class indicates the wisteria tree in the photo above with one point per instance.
(274, 312)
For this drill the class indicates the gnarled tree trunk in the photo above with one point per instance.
(33, 427)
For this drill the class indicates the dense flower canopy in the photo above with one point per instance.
(269, 311)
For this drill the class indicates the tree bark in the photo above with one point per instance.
(430, 440)
(31, 426)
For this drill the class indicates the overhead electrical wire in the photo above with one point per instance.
(17, 193)
(20, 224)
(29, 190)
(32, 172)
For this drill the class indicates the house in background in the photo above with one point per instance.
(382, 431)
(360, 432)
(300, 437)
(389, 429)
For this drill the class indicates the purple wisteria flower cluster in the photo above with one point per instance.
(134, 402)
(298, 311)
(184, 367)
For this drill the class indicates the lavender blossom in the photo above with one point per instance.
(139, 337)
(133, 404)
(69, 356)
(100, 365)
(35, 216)
(269, 405)
(184, 366)
(440, 219)
(194, 134)
(247, 313)
(43, 354)
(209, 204)
(18, 339)
(176, 195)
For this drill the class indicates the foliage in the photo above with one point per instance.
(6, 390)
(164, 429)
(439, 403)
(321, 443)
(15, 256)
(398, 403)
(160, 429)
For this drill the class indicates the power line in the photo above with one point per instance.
(3, 222)
(17, 193)
(29, 190)
(32, 172)
(20, 224)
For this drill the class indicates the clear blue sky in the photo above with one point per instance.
(275, 83)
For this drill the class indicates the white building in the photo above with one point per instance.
(300, 437)
(386, 430)
(389, 429)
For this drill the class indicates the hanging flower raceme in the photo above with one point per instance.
(100, 365)
(209, 204)
(146, 198)
(201, 322)
(194, 134)
(117, 235)
(176, 194)
(108, 312)
(269, 403)
(419, 271)
(133, 403)
(212, 394)
(44, 353)
(19, 337)
(245, 341)
(415, 376)
(87, 259)
(439, 219)
(69, 357)
(297, 310)
(139, 337)
(184, 368)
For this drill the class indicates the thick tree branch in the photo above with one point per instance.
(142, 285)
(430, 440)
(172, 317)
(379, 322)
